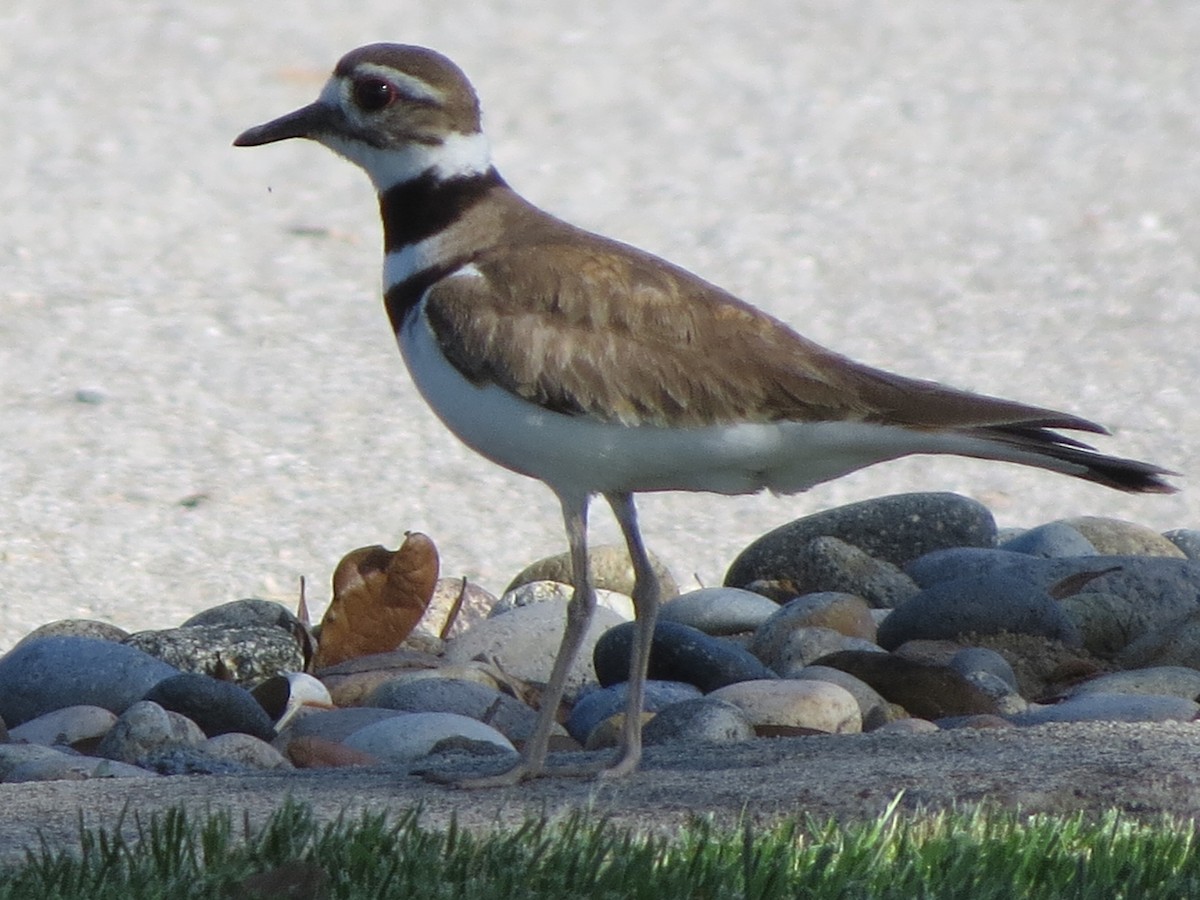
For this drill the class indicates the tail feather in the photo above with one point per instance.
(1042, 447)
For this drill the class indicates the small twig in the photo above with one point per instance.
(452, 615)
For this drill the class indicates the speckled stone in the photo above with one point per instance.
(248, 613)
(831, 564)
(610, 568)
(719, 611)
(54, 672)
(699, 720)
(678, 653)
(895, 529)
(820, 705)
(246, 654)
(1176, 643)
(245, 750)
(218, 707)
(1187, 540)
(803, 646)
(844, 613)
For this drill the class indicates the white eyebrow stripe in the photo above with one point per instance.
(409, 85)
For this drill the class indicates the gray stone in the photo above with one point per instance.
(218, 707)
(871, 705)
(332, 724)
(1171, 681)
(12, 756)
(719, 611)
(979, 605)
(831, 564)
(895, 529)
(87, 628)
(1052, 540)
(506, 714)
(66, 767)
(1116, 537)
(677, 653)
(819, 705)
(699, 720)
(244, 749)
(534, 592)
(594, 707)
(410, 736)
(773, 642)
(54, 672)
(1106, 623)
(1176, 643)
(248, 613)
(1187, 540)
(145, 729)
(804, 646)
(1112, 708)
(974, 660)
(70, 725)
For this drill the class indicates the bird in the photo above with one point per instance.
(600, 369)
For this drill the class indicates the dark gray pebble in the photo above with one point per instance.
(218, 707)
(719, 611)
(1052, 540)
(595, 706)
(677, 653)
(54, 672)
(699, 720)
(978, 605)
(895, 529)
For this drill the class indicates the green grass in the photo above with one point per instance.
(977, 855)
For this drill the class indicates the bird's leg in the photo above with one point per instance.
(579, 617)
(645, 605)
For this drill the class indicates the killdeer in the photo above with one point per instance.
(598, 368)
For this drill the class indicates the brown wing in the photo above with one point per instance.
(612, 332)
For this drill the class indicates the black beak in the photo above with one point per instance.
(307, 122)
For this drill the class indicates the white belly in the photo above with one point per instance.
(576, 453)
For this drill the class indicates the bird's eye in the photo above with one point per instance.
(371, 94)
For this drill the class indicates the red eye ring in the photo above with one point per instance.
(372, 94)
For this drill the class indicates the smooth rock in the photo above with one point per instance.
(332, 724)
(1116, 537)
(976, 660)
(1112, 708)
(410, 736)
(506, 714)
(677, 653)
(146, 729)
(79, 727)
(594, 707)
(1107, 624)
(926, 691)
(819, 705)
(245, 750)
(804, 646)
(608, 565)
(1052, 540)
(719, 611)
(319, 753)
(54, 672)
(895, 529)
(218, 707)
(609, 732)
(525, 641)
(67, 767)
(187, 760)
(246, 654)
(978, 605)
(831, 564)
(247, 613)
(85, 628)
(699, 720)
(12, 756)
(907, 726)
(1175, 643)
(872, 707)
(844, 613)
(1169, 681)
(556, 591)
(473, 601)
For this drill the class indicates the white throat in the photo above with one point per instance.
(458, 155)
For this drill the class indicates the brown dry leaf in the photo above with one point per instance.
(379, 595)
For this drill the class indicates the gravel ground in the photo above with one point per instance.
(201, 399)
